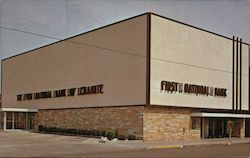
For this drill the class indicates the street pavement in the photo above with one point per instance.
(27, 144)
(204, 151)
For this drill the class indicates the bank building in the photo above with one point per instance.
(147, 75)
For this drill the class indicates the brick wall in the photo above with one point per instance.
(149, 123)
(167, 123)
(125, 119)
(238, 129)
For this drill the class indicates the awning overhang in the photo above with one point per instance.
(18, 110)
(223, 115)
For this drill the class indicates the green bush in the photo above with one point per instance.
(40, 127)
(52, 129)
(122, 137)
(131, 136)
(72, 131)
(79, 132)
(88, 132)
(111, 134)
(96, 132)
(60, 130)
(102, 133)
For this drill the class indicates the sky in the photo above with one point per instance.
(28, 24)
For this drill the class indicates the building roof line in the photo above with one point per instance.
(118, 23)
(75, 36)
(195, 27)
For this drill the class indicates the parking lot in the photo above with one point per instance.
(26, 144)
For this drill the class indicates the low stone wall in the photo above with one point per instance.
(167, 123)
(124, 119)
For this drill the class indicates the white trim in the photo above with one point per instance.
(18, 110)
(203, 114)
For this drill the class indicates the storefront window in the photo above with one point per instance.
(193, 123)
(19, 120)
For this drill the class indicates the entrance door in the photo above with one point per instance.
(19, 121)
(217, 128)
(9, 120)
(31, 121)
(247, 128)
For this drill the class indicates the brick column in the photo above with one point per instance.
(242, 129)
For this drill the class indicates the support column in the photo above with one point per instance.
(26, 121)
(203, 128)
(213, 127)
(13, 121)
(222, 124)
(242, 129)
(4, 120)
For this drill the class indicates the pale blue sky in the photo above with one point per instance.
(63, 18)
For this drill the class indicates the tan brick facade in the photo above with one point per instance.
(238, 129)
(167, 123)
(149, 123)
(124, 119)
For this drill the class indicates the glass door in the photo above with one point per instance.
(30, 121)
(9, 120)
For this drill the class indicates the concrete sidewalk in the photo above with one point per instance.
(224, 141)
(138, 144)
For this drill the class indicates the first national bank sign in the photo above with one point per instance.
(167, 86)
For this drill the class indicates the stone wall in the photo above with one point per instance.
(147, 123)
(167, 123)
(238, 129)
(124, 119)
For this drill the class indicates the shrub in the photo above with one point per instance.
(60, 130)
(92, 132)
(88, 132)
(40, 127)
(52, 129)
(121, 137)
(102, 133)
(72, 131)
(45, 129)
(110, 134)
(79, 132)
(96, 132)
(131, 137)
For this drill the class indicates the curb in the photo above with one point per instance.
(205, 144)
(164, 147)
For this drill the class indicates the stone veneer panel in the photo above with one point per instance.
(124, 119)
(167, 123)
(238, 129)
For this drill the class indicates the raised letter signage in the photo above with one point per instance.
(86, 90)
(167, 86)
